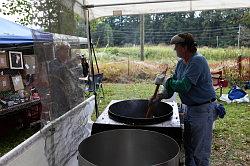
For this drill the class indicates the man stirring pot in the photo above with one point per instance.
(192, 80)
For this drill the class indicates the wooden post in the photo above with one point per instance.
(240, 66)
(239, 37)
(142, 36)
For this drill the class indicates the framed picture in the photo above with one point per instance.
(17, 82)
(3, 60)
(16, 60)
(29, 64)
(4, 83)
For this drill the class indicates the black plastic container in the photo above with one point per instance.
(134, 112)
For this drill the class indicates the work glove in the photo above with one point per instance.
(160, 79)
(221, 111)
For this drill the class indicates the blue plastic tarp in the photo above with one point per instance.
(12, 33)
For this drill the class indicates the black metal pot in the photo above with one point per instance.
(134, 112)
(128, 147)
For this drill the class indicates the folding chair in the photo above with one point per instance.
(97, 83)
(218, 81)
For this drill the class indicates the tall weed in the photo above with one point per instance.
(120, 64)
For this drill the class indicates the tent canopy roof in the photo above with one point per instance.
(103, 8)
(13, 33)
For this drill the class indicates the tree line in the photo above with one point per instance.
(213, 28)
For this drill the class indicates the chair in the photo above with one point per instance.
(96, 83)
(218, 81)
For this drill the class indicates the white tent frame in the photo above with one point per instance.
(104, 8)
(95, 8)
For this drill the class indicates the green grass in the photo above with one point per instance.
(15, 137)
(164, 54)
(230, 137)
(231, 141)
(126, 91)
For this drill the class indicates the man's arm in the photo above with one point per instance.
(180, 86)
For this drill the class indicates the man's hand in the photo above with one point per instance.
(152, 104)
(161, 78)
(155, 99)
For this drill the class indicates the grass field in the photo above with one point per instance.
(164, 53)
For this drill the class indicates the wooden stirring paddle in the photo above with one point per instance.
(158, 82)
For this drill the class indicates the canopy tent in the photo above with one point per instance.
(103, 8)
(74, 41)
(12, 33)
(39, 50)
(95, 9)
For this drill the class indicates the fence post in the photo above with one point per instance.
(240, 66)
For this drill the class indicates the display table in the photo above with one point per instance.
(20, 115)
(19, 107)
(171, 127)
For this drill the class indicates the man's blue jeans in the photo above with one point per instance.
(198, 123)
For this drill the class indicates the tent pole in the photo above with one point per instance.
(142, 35)
(91, 59)
(92, 47)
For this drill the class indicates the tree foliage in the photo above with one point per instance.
(104, 34)
(50, 15)
(22, 8)
(211, 28)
